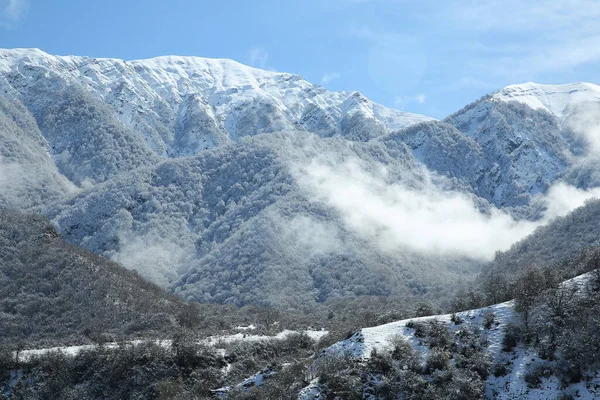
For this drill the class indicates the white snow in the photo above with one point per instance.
(220, 97)
(364, 341)
(510, 386)
(556, 99)
(213, 340)
(24, 355)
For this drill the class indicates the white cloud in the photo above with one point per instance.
(531, 37)
(259, 57)
(521, 15)
(430, 220)
(12, 11)
(584, 124)
(329, 76)
(402, 101)
(562, 198)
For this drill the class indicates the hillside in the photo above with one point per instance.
(522, 349)
(232, 225)
(560, 240)
(229, 184)
(54, 292)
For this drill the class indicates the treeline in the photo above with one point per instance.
(497, 285)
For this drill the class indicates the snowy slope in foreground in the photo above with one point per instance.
(559, 100)
(510, 386)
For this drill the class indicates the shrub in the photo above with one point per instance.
(500, 369)
(346, 385)
(535, 373)
(565, 396)
(456, 319)
(437, 360)
(489, 319)
(512, 336)
(421, 328)
(464, 385)
(380, 362)
(481, 364)
(405, 354)
(439, 336)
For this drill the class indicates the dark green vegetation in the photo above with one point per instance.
(51, 290)
(53, 293)
(558, 242)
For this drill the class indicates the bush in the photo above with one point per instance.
(464, 385)
(512, 336)
(456, 319)
(421, 328)
(477, 362)
(489, 319)
(438, 335)
(405, 354)
(380, 362)
(535, 373)
(437, 360)
(500, 369)
(344, 385)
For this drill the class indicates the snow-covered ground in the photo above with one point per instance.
(214, 340)
(511, 386)
(24, 355)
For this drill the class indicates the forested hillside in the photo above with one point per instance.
(560, 240)
(229, 184)
(54, 291)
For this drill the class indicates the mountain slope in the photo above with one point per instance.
(559, 100)
(53, 291)
(241, 224)
(226, 183)
(512, 350)
(181, 105)
(561, 239)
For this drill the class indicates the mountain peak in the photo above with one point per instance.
(556, 99)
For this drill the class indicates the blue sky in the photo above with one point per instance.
(425, 56)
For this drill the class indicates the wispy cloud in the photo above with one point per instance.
(402, 101)
(396, 62)
(12, 11)
(329, 76)
(259, 57)
(529, 38)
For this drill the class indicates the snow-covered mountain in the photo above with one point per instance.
(559, 100)
(181, 105)
(232, 184)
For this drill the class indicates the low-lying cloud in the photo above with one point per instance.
(584, 124)
(429, 220)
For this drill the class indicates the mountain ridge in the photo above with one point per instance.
(212, 184)
(183, 105)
